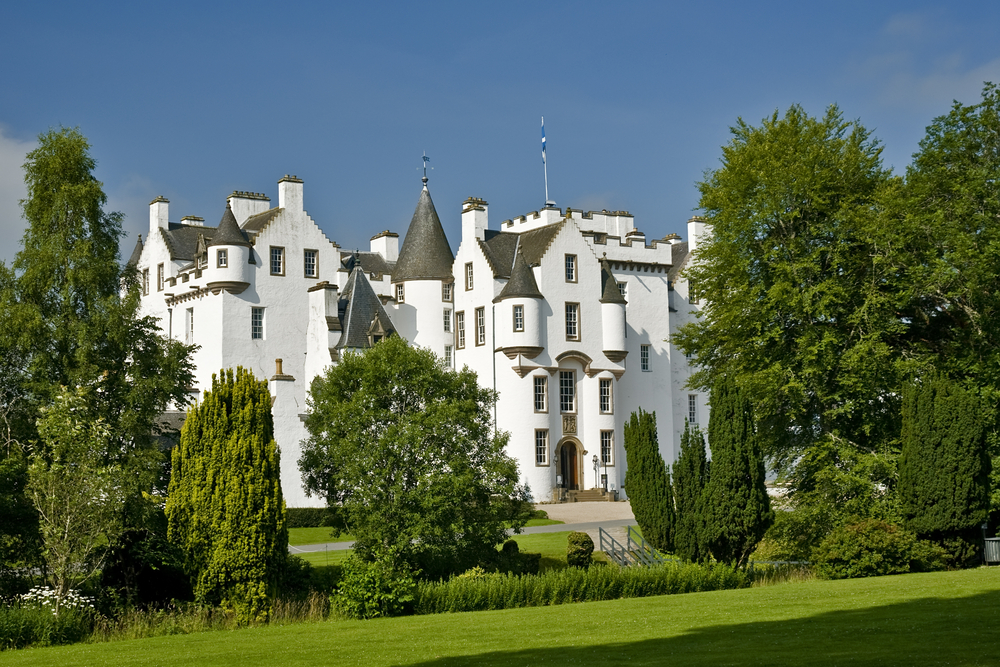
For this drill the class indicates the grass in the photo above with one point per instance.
(926, 619)
(299, 536)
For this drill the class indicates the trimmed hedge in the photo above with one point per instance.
(508, 591)
(579, 549)
(307, 517)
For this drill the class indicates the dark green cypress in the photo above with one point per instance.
(648, 481)
(944, 468)
(690, 476)
(225, 508)
(737, 510)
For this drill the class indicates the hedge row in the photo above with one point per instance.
(307, 517)
(507, 591)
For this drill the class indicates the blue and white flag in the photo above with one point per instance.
(543, 139)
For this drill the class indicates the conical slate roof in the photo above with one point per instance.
(522, 283)
(425, 254)
(363, 307)
(612, 293)
(136, 253)
(229, 232)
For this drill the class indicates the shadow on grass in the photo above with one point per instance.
(929, 631)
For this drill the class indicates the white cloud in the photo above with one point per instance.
(12, 153)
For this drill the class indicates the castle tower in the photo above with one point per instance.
(519, 320)
(228, 258)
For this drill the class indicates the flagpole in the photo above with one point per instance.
(545, 167)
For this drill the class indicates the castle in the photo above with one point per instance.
(567, 314)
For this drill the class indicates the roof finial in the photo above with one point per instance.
(426, 160)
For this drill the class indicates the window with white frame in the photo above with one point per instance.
(692, 293)
(541, 393)
(446, 291)
(693, 408)
(567, 391)
(519, 318)
(572, 321)
(145, 282)
(468, 276)
(159, 277)
(571, 268)
(541, 447)
(607, 405)
(644, 357)
(310, 268)
(221, 258)
(608, 448)
(277, 261)
(460, 329)
(257, 323)
(480, 326)
(189, 326)
(448, 356)
(623, 288)
(446, 320)
(400, 293)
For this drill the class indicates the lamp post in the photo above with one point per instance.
(596, 469)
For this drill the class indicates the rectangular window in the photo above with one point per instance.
(567, 391)
(447, 291)
(480, 326)
(571, 268)
(189, 327)
(447, 320)
(257, 323)
(541, 393)
(447, 356)
(468, 276)
(572, 321)
(608, 448)
(693, 408)
(202, 263)
(460, 329)
(607, 406)
(623, 288)
(277, 261)
(644, 357)
(309, 266)
(400, 293)
(145, 282)
(692, 293)
(541, 447)
(159, 277)
(518, 318)
(221, 259)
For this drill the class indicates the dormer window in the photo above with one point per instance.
(222, 258)
(202, 261)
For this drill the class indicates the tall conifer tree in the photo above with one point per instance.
(690, 477)
(944, 469)
(737, 510)
(648, 481)
(225, 508)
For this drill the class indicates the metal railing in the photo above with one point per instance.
(636, 551)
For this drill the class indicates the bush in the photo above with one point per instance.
(143, 569)
(579, 549)
(32, 620)
(872, 548)
(374, 589)
(510, 559)
(478, 591)
(307, 517)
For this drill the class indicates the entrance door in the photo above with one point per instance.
(569, 466)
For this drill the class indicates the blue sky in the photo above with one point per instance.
(195, 100)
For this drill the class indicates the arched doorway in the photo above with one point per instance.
(569, 464)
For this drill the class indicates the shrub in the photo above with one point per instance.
(510, 559)
(143, 569)
(478, 591)
(307, 517)
(579, 549)
(33, 619)
(871, 548)
(383, 587)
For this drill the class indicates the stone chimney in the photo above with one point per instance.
(290, 193)
(158, 214)
(475, 218)
(386, 243)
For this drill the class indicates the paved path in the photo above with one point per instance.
(584, 517)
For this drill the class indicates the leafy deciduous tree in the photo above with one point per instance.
(225, 508)
(648, 481)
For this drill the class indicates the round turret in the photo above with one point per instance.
(229, 251)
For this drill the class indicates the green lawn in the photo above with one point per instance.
(919, 619)
(300, 536)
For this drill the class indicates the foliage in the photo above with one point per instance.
(873, 548)
(374, 589)
(690, 477)
(33, 623)
(77, 495)
(801, 310)
(944, 468)
(225, 510)
(510, 559)
(647, 481)
(736, 510)
(404, 451)
(308, 517)
(579, 549)
(143, 569)
(20, 538)
(607, 582)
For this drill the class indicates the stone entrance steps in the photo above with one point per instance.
(588, 496)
